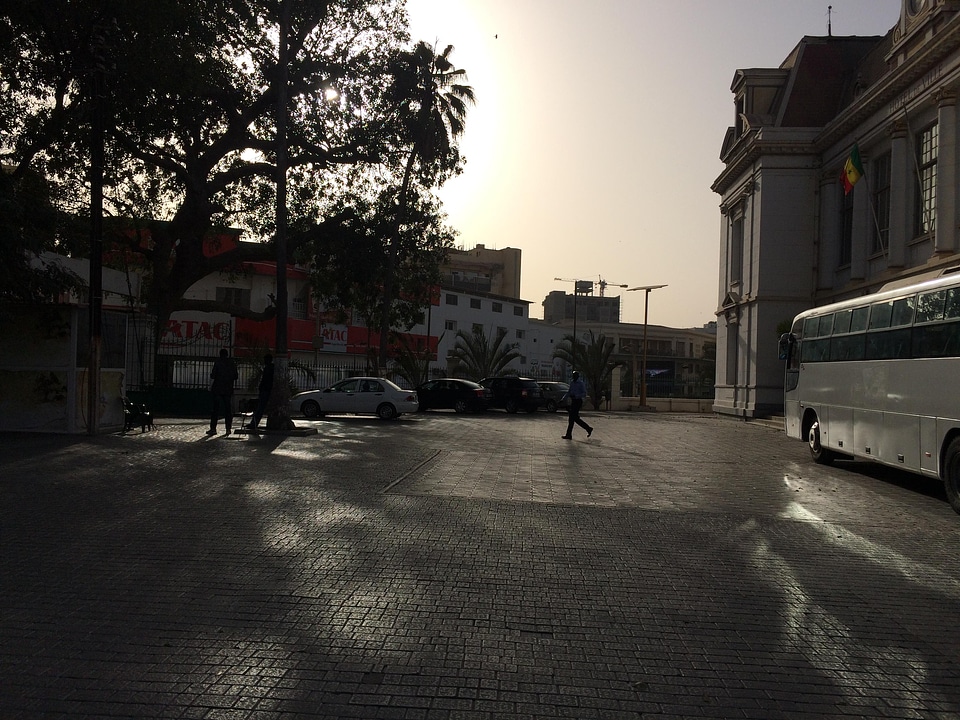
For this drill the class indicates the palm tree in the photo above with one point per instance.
(433, 104)
(413, 363)
(478, 356)
(592, 359)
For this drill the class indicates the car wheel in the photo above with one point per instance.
(819, 453)
(311, 409)
(551, 405)
(386, 412)
(512, 406)
(951, 473)
(461, 406)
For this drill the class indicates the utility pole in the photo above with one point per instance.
(584, 287)
(279, 412)
(95, 301)
(643, 361)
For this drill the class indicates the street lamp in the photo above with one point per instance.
(643, 361)
(579, 287)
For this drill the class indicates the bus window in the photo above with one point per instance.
(793, 361)
(930, 306)
(811, 327)
(847, 347)
(888, 345)
(858, 321)
(815, 350)
(826, 325)
(880, 315)
(936, 340)
(952, 306)
(951, 345)
(841, 322)
(903, 312)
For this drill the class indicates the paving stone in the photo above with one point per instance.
(471, 566)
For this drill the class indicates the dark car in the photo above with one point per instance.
(514, 393)
(554, 395)
(455, 394)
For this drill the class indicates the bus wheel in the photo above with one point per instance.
(951, 473)
(819, 453)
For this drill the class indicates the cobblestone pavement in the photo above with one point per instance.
(475, 567)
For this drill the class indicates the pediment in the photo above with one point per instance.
(731, 299)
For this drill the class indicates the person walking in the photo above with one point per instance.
(224, 375)
(263, 390)
(577, 392)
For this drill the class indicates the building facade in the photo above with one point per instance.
(483, 270)
(794, 236)
(559, 306)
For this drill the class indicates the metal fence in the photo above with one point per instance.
(186, 359)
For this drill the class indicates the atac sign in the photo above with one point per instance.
(206, 334)
(334, 338)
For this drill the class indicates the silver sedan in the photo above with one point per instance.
(359, 396)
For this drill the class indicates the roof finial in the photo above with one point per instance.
(829, 20)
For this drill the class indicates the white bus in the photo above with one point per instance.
(878, 378)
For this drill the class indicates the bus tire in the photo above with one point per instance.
(819, 453)
(951, 473)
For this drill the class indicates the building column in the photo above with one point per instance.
(902, 181)
(828, 251)
(862, 226)
(945, 241)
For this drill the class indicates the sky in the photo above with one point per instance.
(597, 130)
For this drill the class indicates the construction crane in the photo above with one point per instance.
(603, 285)
(580, 287)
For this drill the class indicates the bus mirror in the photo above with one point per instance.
(786, 342)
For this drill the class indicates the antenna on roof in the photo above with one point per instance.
(829, 20)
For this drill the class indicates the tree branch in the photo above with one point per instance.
(235, 310)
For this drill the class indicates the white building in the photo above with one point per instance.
(792, 239)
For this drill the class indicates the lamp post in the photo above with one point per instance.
(643, 360)
(579, 286)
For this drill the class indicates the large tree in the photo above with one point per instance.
(29, 226)
(189, 90)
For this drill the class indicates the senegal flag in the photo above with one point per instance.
(852, 170)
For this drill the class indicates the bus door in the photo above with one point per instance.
(790, 354)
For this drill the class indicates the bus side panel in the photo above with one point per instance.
(900, 441)
(946, 427)
(929, 446)
(867, 432)
(841, 429)
(792, 413)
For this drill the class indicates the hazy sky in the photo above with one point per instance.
(597, 130)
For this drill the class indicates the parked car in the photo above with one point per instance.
(359, 395)
(514, 393)
(554, 395)
(453, 393)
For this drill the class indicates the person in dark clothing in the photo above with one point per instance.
(263, 391)
(224, 376)
(577, 392)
